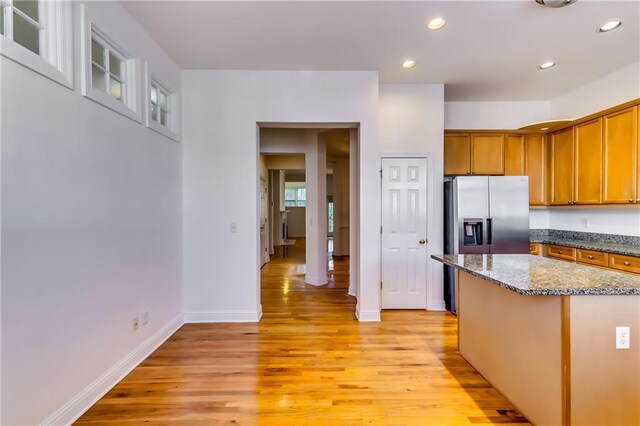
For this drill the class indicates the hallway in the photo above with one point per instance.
(308, 362)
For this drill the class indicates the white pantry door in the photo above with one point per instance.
(404, 233)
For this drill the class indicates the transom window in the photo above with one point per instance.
(295, 194)
(159, 98)
(107, 68)
(21, 21)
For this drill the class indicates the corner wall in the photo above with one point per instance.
(91, 236)
(221, 112)
(412, 123)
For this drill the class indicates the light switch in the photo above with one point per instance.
(233, 227)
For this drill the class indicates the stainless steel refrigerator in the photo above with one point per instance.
(484, 215)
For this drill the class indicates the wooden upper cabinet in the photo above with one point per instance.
(535, 168)
(562, 167)
(457, 154)
(620, 163)
(587, 184)
(514, 155)
(487, 154)
(638, 160)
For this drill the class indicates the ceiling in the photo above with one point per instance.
(487, 51)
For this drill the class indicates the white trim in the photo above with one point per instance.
(368, 315)
(222, 316)
(317, 281)
(173, 130)
(79, 404)
(130, 107)
(56, 59)
(437, 305)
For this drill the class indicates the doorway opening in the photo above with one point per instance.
(308, 212)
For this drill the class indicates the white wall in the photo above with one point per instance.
(613, 89)
(91, 235)
(538, 218)
(221, 109)
(412, 122)
(494, 115)
(622, 221)
(296, 222)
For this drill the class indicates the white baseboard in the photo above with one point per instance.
(368, 315)
(317, 281)
(77, 406)
(222, 316)
(436, 305)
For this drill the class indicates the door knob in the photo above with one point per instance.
(422, 241)
(626, 263)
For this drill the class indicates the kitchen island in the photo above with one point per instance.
(543, 332)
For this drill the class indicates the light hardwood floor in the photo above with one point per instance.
(308, 362)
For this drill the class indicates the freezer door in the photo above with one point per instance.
(508, 223)
(472, 210)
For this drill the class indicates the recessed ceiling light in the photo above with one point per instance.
(555, 3)
(437, 23)
(409, 63)
(609, 26)
(546, 65)
(544, 128)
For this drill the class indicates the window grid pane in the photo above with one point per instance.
(28, 7)
(115, 65)
(98, 79)
(115, 89)
(289, 194)
(26, 34)
(97, 53)
(2, 20)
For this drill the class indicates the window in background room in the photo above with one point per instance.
(295, 194)
(330, 215)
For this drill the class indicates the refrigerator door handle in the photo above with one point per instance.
(490, 231)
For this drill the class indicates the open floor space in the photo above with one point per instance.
(308, 362)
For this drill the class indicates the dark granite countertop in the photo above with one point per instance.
(590, 245)
(537, 275)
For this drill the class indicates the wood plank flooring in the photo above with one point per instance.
(308, 362)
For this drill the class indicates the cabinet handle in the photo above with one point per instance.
(568, 202)
(638, 200)
(626, 263)
(559, 251)
(590, 257)
(631, 200)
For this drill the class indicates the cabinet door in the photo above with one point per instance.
(535, 168)
(514, 155)
(562, 167)
(620, 157)
(588, 162)
(457, 152)
(487, 154)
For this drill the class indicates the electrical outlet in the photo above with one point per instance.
(145, 318)
(585, 222)
(136, 323)
(233, 227)
(623, 336)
